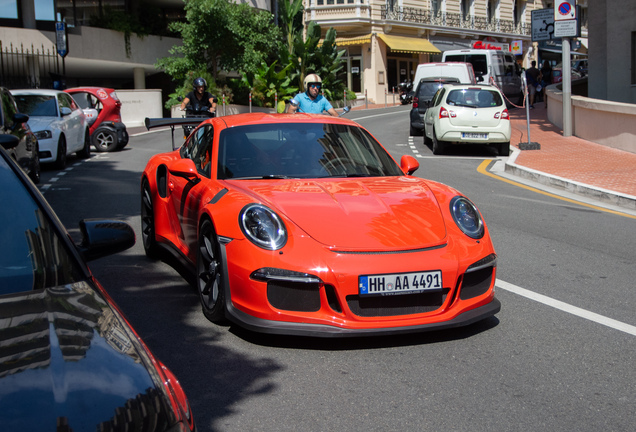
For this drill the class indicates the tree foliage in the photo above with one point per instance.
(221, 35)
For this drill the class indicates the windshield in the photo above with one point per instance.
(32, 254)
(474, 98)
(36, 105)
(302, 150)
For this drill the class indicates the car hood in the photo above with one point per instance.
(38, 123)
(379, 214)
(65, 355)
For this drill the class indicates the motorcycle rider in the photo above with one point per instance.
(311, 101)
(199, 97)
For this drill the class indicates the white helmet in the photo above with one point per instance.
(310, 79)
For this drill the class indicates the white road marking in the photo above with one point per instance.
(565, 307)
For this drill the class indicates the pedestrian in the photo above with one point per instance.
(533, 77)
(311, 101)
(546, 79)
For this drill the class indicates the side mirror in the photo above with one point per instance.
(184, 168)
(20, 118)
(409, 164)
(103, 237)
(480, 78)
(345, 110)
(293, 102)
(65, 111)
(9, 141)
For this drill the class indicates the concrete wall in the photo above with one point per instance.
(136, 105)
(612, 124)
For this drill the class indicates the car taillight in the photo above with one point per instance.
(416, 102)
(503, 115)
(177, 396)
(444, 113)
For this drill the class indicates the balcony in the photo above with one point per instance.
(454, 21)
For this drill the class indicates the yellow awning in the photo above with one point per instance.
(409, 44)
(345, 41)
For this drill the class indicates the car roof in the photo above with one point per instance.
(94, 88)
(273, 118)
(44, 92)
(471, 86)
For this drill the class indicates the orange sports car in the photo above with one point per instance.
(304, 224)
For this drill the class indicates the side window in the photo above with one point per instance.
(63, 100)
(86, 100)
(480, 65)
(199, 148)
(9, 108)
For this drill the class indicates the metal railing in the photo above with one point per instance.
(454, 20)
(28, 67)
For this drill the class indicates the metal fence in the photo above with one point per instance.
(29, 67)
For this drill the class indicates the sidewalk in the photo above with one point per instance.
(578, 166)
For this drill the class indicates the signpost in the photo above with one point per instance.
(60, 41)
(565, 26)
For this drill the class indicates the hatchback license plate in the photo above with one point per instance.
(400, 283)
(474, 135)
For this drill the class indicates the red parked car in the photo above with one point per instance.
(107, 131)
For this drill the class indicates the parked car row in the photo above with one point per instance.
(49, 125)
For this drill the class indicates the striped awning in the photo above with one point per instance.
(405, 44)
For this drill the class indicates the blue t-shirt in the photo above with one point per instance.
(315, 106)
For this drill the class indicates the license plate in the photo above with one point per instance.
(474, 135)
(400, 283)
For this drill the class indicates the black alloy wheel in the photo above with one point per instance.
(210, 275)
(34, 174)
(60, 161)
(105, 140)
(151, 248)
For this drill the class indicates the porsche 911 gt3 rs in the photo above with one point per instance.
(304, 224)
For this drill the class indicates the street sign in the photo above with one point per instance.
(60, 38)
(542, 25)
(564, 10)
(566, 28)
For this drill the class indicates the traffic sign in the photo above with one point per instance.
(60, 38)
(542, 25)
(566, 28)
(564, 10)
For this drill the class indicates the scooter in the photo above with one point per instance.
(201, 112)
(406, 92)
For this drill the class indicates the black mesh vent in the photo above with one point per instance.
(332, 298)
(476, 283)
(294, 296)
(407, 304)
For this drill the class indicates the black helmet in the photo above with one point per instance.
(200, 82)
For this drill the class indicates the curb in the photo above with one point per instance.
(599, 194)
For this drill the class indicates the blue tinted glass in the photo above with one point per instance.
(9, 9)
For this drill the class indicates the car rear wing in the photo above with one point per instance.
(172, 122)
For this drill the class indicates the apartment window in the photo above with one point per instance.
(435, 6)
(9, 9)
(466, 8)
(44, 10)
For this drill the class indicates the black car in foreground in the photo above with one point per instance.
(424, 93)
(69, 360)
(17, 138)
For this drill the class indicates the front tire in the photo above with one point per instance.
(60, 160)
(105, 140)
(210, 277)
(85, 152)
(148, 222)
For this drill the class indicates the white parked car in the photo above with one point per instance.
(467, 114)
(58, 123)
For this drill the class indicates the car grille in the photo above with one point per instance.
(407, 304)
(294, 296)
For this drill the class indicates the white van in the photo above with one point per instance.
(494, 66)
(464, 72)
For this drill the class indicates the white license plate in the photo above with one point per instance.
(474, 135)
(400, 283)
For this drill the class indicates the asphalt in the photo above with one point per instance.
(567, 165)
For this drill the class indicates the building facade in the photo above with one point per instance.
(385, 40)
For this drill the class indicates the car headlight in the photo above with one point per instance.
(263, 227)
(45, 134)
(467, 217)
